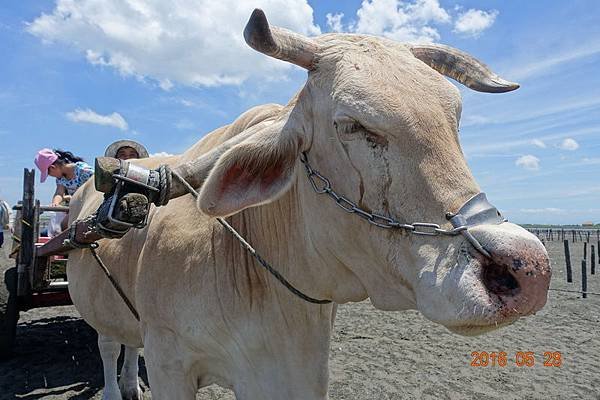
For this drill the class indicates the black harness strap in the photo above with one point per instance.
(93, 246)
(113, 281)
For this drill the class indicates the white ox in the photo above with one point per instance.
(381, 123)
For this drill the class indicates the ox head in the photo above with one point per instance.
(379, 119)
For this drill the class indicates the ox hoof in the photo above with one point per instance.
(111, 393)
(130, 392)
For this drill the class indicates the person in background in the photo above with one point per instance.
(125, 150)
(70, 171)
(4, 219)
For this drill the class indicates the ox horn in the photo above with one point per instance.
(278, 42)
(462, 67)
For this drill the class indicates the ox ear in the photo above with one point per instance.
(256, 171)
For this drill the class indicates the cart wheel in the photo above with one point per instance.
(9, 314)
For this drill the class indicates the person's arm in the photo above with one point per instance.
(58, 195)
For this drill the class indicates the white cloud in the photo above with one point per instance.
(409, 21)
(474, 22)
(539, 143)
(546, 210)
(200, 42)
(529, 162)
(161, 154)
(89, 116)
(184, 124)
(334, 22)
(590, 161)
(553, 60)
(470, 120)
(487, 146)
(186, 103)
(402, 21)
(568, 144)
(192, 42)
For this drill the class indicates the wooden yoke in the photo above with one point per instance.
(57, 245)
(192, 172)
(130, 207)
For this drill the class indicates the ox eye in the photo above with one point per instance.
(347, 127)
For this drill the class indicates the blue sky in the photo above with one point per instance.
(79, 75)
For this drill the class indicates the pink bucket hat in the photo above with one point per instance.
(43, 159)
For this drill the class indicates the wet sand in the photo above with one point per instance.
(374, 354)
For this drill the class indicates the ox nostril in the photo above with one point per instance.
(498, 280)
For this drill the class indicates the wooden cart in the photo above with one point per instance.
(38, 278)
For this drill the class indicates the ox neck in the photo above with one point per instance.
(279, 232)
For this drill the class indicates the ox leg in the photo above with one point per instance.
(167, 371)
(334, 308)
(109, 352)
(129, 385)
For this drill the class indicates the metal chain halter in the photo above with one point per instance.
(475, 211)
(322, 185)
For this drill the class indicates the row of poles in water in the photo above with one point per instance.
(576, 235)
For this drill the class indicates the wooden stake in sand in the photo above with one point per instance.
(583, 280)
(568, 261)
(593, 261)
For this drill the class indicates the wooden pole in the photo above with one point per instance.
(37, 273)
(27, 231)
(45, 208)
(583, 280)
(568, 261)
(585, 250)
(593, 261)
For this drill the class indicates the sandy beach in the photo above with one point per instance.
(374, 354)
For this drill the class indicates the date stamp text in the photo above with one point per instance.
(519, 359)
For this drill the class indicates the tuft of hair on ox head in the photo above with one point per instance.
(380, 120)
